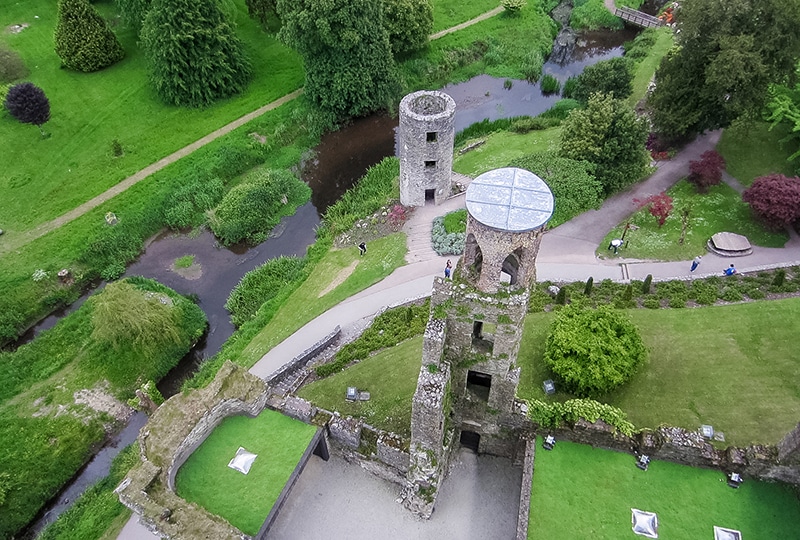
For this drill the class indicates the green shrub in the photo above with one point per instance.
(456, 222)
(445, 243)
(555, 414)
(624, 299)
(408, 23)
(677, 301)
(527, 124)
(568, 88)
(561, 297)
(651, 302)
(513, 7)
(250, 210)
(387, 330)
(756, 294)
(12, 68)
(550, 85)
(666, 289)
(261, 285)
(532, 65)
(561, 109)
(593, 15)
(640, 46)
(538, 300)
(779, 278)
(614, 76)
(593, 351)
(731, 294)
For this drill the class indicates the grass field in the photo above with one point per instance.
(305, 303)
(647, 67)
(734, 367)
(244, 500)
(582, 492)
(88, 111)
(722, 209)
(751, 150)
(449, 13)
(391, 378)
(503, 147)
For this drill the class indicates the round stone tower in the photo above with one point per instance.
(507, 210)
(427, 131)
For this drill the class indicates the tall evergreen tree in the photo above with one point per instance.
(84, 41)
(27, 103)
(195, 56)
(345, 47)
(133, 12)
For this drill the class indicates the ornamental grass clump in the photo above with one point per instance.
(593, 351)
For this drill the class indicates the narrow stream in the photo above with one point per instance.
(340, 159)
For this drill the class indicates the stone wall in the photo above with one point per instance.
(426, 135)
(177, 427)
(789, 447)
(301, 359)
(525, 488)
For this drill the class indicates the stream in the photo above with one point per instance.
(340, 159)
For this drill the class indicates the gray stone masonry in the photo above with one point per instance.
(345, 431)
(298, 408)
(789, 447)
(433, 343)
(492, 249)
(525, 489)
(426, 135)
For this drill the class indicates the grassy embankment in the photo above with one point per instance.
(733, 367)
(584, 492)
(55, 394)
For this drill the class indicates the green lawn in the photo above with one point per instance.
(448, 13)
(503, 147)
(734, 367)
(244, 500)
(385, 254)
(647, 67)
(88, 111)
(722, 209)
(391, 378)
(582, 492)
(751, 150)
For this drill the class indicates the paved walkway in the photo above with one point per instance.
(470, 22)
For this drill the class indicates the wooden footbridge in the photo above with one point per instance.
(637, 17)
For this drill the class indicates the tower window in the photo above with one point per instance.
(431, 136)
(430, 164)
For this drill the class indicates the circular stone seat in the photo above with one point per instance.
(728, 244)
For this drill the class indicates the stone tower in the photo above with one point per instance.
(427, 132)
(468, 381)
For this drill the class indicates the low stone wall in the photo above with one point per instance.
(525, 488)
(301, 359)
(759, 462)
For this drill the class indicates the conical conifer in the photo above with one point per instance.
(84, 41)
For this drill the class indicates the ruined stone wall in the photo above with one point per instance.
(789, 447)
(525, 488)
(426, 135)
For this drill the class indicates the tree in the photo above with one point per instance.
(775, 199)
(659, 206)
(27, 103)
(613, 76)
(195, 56)
(345, 47)
(728, 52)
(784, 108)
(261, 11)
(610, 135)
(572, 183)
(133, 12)
(409, 23)
(707, 172)
(84, 41)
(593, 351)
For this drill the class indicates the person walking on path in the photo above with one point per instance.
(447, 269)
(695, 263)
(363, 248)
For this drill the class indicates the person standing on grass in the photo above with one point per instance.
(695, 263)
(363, 248)
(447, 269)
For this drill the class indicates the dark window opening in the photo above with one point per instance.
(431, 136)
(510, 271)
(430, 195)
(479, 384)
(483, 336)
(471, 440)
(430, 164)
